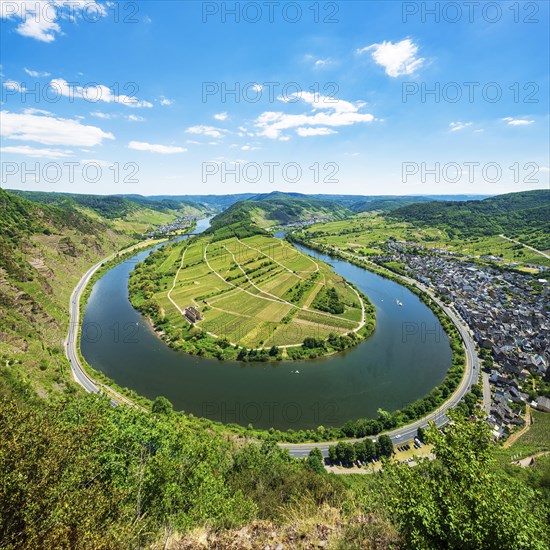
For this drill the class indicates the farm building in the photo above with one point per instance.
(193, 314)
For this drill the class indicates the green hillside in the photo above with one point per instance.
(215, 202)
(524, 215)
(79, 473)
(44, 250)
(280, 209)
(116, 208)
(386, 204)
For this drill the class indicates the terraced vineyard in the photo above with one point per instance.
(255, 292)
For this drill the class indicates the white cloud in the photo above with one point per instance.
(135, 118)
(95, 93)
(105, 116)
(209, 131)
(397, 58)
(36, 152)
(32, 111)
(249, 148)
(457, 126)
(13, 86)
(36, 74)
(38, 19)
(220, 116)
(50, 130)
(165, 101)
(326, 112)
(517, 121)
(306, 132)
(154, 148)
(257, 87)
(318, 101)
(318, 63)
(39, 28)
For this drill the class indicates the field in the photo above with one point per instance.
(256, 292)
(137, 222)
(365, 234)
(535, 440)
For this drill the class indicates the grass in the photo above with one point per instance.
(257, 292)
(365, 234)
(535, 439)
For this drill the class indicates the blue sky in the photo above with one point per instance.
(128, 98)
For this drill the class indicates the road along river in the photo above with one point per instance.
(405, 358)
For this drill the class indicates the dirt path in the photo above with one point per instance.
(277, 299)
(174, 284)
(515, 436)
(526, 462)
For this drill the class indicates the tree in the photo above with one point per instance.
(462, 500)
(332, 454)
(316, 461)
(360, 451)
(340, 451)
(370, 449)
(161, 405)
(384, 446)
(310, 342)
(349, 453)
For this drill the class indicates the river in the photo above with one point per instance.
(403, 360)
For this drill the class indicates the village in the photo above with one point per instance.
(178, 226)
(508, 315)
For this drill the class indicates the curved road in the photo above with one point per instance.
(408, 432)
(79, 375)
(298, 450)
(77, 370)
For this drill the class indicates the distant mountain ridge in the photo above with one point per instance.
(110, 206)
(221, 202)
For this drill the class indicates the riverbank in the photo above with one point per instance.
(91, 379)
(240, 320)
(323, 434)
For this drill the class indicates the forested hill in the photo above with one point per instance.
(385, 204)
(279, 209)
(21, 217)
(512, 214)
(44, 250)
(112, 207)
